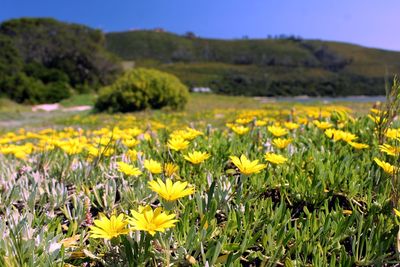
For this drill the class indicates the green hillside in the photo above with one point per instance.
(289, 66)
(44, 60)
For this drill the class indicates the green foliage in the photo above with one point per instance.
(22, 88)
(10, 60)
(142, 88)
(61, 56)
(262, 67)
(57, 91)
(74, 49)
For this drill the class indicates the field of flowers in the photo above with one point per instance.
(302, 186)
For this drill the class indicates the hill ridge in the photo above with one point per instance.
(266, 67)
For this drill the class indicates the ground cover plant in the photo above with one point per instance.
(280, 185)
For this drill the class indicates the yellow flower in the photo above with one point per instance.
(333, 134)
(322, 124)
(374, 110)
(243, 120)
(191, 133)
(196, 157)
(337, 135)
(240, 129)
(291, 125)
(260, 123)
(302, 120)
(347, 137)
(132, 154)
(170, 169)
(147, 136)
(275, 158)
(177, 143)
(128, 169)
(188, 134)
(246, 166)
(281, 143)
(72, 147)
(393, 133)
(96, 151)
(347, 212)
(153, 166)
(397, 212)
(390, 150)
(387, 167)
(358, 145)
(151, 221)
(277, 131)
(130, 142)
(171, 191)
(377, 119)
(109, 228)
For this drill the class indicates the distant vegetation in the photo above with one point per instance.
(44, 60)
(139, 89)
(264, 67)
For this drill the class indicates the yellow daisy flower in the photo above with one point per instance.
(170, 191)
(109, 228)
(153, 166)
(178, 143)
(277, 131)
(358, 145)
(387, 167)
(151, 221)
(323, 125)
(240, 129)
(170, 169)
(291, 125)
(281, 143)
(389, 150)
(128, 169)
(275, 158)
(246, 166)
(196, 157)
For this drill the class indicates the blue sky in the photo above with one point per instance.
(370, 23)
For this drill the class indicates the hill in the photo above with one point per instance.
(265, 67)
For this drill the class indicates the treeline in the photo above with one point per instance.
(283, 66)
(44, 60)
(339, 85)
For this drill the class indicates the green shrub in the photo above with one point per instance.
(56, 91)
(142, 88)
(26, 89)
(23, 89)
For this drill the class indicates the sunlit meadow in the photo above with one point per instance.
(306, 185)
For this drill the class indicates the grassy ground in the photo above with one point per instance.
(320, 191)
(79, 100)
(200, 107)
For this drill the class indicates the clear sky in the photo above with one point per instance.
(372, 23)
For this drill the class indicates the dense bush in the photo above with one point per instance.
(23, 89)
(140, 89)
(26, 89)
